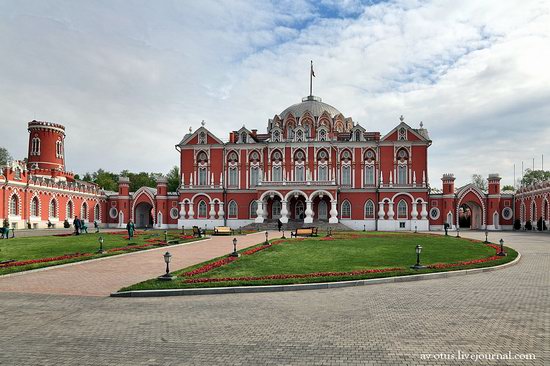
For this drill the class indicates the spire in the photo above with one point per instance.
(311, 76)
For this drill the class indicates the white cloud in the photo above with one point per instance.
(128, 78)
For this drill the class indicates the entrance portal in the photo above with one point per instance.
(143, 215)
(470, 216)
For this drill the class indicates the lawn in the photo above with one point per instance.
(346, 256)
(77, 248)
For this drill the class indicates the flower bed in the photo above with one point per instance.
(209, 266)
(44, 260)
(466, 263)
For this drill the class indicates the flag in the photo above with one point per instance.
(312, 72)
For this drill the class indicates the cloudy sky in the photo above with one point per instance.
(128, 78)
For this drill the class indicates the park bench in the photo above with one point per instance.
(222, 230)
(305, 231)
(198, 232)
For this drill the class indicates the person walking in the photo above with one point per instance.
(76, 223)
(279, 224)
(130, 227)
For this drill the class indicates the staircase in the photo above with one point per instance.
(322, 226)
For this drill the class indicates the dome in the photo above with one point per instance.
(312, 104)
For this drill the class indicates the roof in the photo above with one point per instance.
(312, 104)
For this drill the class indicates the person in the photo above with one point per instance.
(49, 224)
(5, 229)
(66, 224)
(279, 224)
(77, 225)
(446, 226)
(83, 227)
(96, 226)
(130, 227)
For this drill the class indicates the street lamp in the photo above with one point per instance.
(266, 238)
(166, 236)
(418, 250)
(283, 237)
(205, 229)
(183, 229)
(167, 276)
(415, 229)
(234, 254)
(240, 230)
(100, 240)
(486, 235)
(457, 232)
(364, 227)
(502, 253)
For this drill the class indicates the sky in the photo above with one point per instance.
(128, 78)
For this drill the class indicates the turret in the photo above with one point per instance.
(162, 186)
(123, 186)
(46, 146)
(494, 183)
(448, 183)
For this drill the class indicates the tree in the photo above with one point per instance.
(4, 156)
(142, 179)
(173, 177)
(479, 182)
(106, 180)
(535, 176)
(508, 187)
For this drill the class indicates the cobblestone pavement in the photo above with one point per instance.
(391, 324)
(101, 277)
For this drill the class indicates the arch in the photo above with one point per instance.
(345, 209)
(97, 212)
(69, 209)
(252, 208)
(346, 154)
(402, 209)
(323, 154)
(533, 212)
(293, 192)
(201, 194)
(143, 214)
(402, 154)
(143, 191)
(202, 210)
(450, 219)
(279, 154)
(35, 208)
(545, 209)
(496, 224)
(84, 211)
(53, 208)
(159, 219)
(201, 156)
(522, 212)
(299, 155)
(14, 204)
(369, 209)
(408, 195)
(369, 155)
(275, 193)
(318, 192)
(233, 155)
(232, 210)
(479, 195)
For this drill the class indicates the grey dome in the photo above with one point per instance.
(311, 104)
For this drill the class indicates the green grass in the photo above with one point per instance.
(37, 247)
(347, 252)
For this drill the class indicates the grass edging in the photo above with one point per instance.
(310, 286)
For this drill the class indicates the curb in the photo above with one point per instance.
(309, 286)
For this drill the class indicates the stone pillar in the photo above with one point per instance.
(182, 210)
(424, 212)
(309, 213)
(381, 212)
(221, 213)
(390, 211)
(191, 213)
(259, 213)
(333, 212)
(284, 212)
(414, 211)
(264, 214)
(212, 212)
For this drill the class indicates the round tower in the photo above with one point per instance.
(46, 146)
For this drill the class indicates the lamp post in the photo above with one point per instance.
(100, 240)
(183, 229)
(240, 230)
(167, 276)
(266, 238)
(457, 232)
(364, 227)
(486, 235)
(502, 253)
(329, 231)
(415, 229)
(283, 237)
(205, 228)
(166, 236)
(234, 254)
(418, 250)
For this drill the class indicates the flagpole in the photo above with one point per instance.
(311, 79)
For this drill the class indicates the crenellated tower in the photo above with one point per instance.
(46, 146)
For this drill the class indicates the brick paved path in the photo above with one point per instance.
(391, 324)
(101, 277)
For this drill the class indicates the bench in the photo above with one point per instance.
(223, 230)
(197, 232)
(305, 231)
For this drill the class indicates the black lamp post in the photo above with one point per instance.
(364, 227)
(240, 230)
(457, 232)
(502, 253)
(166, 236)
(329, 231)
(183, 229)
(418, 250)
(167, 276)
(415, 229)
(266, 238)
(283, 237)
(100, 240)
(205, 228)
(486, 236)
(234, 254)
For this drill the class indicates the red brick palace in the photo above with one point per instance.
(312, 164)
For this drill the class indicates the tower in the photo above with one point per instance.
(46, 146)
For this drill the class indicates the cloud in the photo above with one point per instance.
(129, 78)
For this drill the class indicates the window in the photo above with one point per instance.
(202, 157)
(369, 210)
(402, 210)
(233, 177)
(289, 132)
(346, 210)
(357, 135)
(369, 175)
(277, 173)
(35, 207)
(402, 174)
(69, 210)
(322, 174)
(84, 211)
(52, 211)
(276, 209)
(300, 176)
(254, 175)
(35, 146)
(322, 135)
(276, 136)
(346, 175)
(96, 212)
(232, 210)
(202, 210)
(299, 136)
(59, 149)
(402, 134)
(202, 138)
(14, 205)
(243, 137)
(434, 213)
(17, 173)
(253, 209)
(202, 176)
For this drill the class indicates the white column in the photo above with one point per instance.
(182, 180)
(182, 210)
(264, 214)
(221, 180)
(212, 212)
(221, 213)
(424, 212)
(333, 212)
(381, 212)
(211, 180)
(414, 178)
(390, 210)
(391, 179)
(259, 213)
(191, 181)
(284, 212)
(414, 211)
(309, 213)
(191, 213)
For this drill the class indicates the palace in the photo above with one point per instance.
(312, 165)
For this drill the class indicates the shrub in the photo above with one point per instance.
(528, 225)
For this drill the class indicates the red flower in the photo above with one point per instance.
(44, 260)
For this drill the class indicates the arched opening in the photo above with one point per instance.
(35, 207)
(69, 210)
(143, 215)
(14, 205)
(84, 212)
(496, 224)
(470, 216)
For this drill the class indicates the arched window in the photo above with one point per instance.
(369, 174)
(243, 137)
(369, 210)
(202, 157)
(202, 210)
(346, 210)
(533, 212)
(52, 209)
(276, 209)
(254, 176)
(299, 136)
(84, 211)
(402, 174)
(277, 173)
(69, 210)
(322, 135)
(232, 210)
(17, 173)
(233, 177)
(35, 146)
(357, 135)
(346, 175)
(203, 176)
(96, 212)
(402, 210)
(35, 207)
(276, 136)
(322, 173)
(299, 173)
(202, 138)
(253, 209)
(14, 205)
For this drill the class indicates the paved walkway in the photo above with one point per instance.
(392, 324)
(101, 277)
